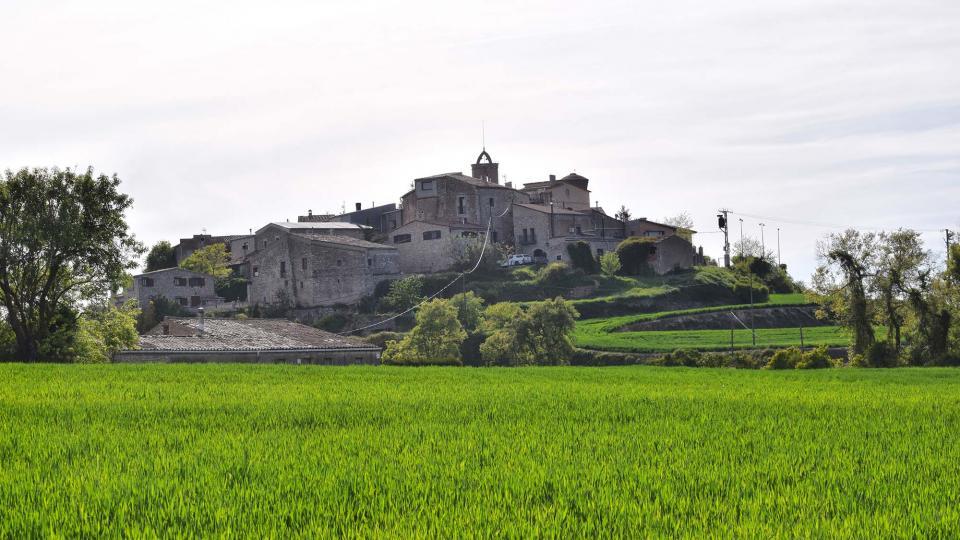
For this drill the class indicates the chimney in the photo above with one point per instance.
(358, 207)
(309, 212)
(200, 311)
(553, 179)
(509, 184)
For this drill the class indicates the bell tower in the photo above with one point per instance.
(485, 169)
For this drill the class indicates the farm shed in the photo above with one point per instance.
(264, 341)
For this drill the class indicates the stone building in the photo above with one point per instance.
(189, 289)
(272, 341)
(672, 253)
(429, 246)
(310, 265)
(569, 192)
(647, 228)
(544, 231)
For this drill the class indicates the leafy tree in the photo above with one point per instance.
(105, 330)
(841, 282)
(212, 260)
(435, 339)
(581, 256)
(749, 247)
(901, 263)
(538, 335)
(623, 214)
(466, 251)
(610, 264)
(469, 310)
(684, 224)
(634, 253)
(63, 241)
(551, 323)
(161, 256)
(404, 293)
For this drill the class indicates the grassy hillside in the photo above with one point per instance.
(280, 451)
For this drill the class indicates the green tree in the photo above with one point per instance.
(105, 330)
(161, 256)
(847, 260)
(64, 241)
(901, 263)
(212, 260)
(469, 310)
(467, 252)
(610, 264)
(404, 293)
(623, 214)
(551, 324)
(435, 339)
(684, 224)
(507, 327)
(538, 335)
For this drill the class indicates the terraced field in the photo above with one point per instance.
(605, 334)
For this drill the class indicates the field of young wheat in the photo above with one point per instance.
(174, 450)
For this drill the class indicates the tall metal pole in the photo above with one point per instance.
(741, 237)
(778, 247)
(763, 245)
(723, 218)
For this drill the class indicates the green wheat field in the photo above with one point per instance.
(277, 451)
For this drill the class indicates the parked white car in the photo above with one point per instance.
(517, 260)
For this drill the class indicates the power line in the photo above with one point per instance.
(823, 224)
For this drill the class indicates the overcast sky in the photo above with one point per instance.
(227, 115)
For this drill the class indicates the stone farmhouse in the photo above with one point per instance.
(189, 289)
(315, 264)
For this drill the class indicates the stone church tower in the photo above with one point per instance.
(485, 169)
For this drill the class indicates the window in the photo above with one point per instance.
(558, 257)
(525, 238)
(194, 301)
(181, 300)
(426, 185)
(431, 235)
(303, 263)
(146, 282)
(653, 233)
(264, 242)
(339, 262)
(256, 271)
(491, 202)
(599, 252)
(180, 282)
(579, 232)
(198, 282)
(301, 285)
(401, 238)
(460, 205)
(533, 236)
(369, 262)
(283, 268)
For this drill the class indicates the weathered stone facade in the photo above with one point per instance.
(306, 267)
(672, 253)
(544, 233)
(426, 247)
(187, 288)
(570, 192)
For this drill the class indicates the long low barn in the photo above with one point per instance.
(270, 341)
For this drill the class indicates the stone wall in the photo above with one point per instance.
(420, 256)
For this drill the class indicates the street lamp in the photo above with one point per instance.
(763, 246)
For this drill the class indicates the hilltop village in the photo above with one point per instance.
(321, 261)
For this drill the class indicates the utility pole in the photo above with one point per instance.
(778, 248)
(763, 245)
(724, 225)
(741, 238)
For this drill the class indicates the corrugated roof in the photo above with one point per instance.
(243, 335)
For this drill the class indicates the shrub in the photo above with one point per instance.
(879, 354)
(785, 359)
(333, 322)
(524, 273)
(633, 253)
(435, 340)
(581, 257)
(815, 359)
(380, 339)
(610, 264)
(554, 274)
(679, 357)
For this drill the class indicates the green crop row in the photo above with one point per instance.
(707, 340)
